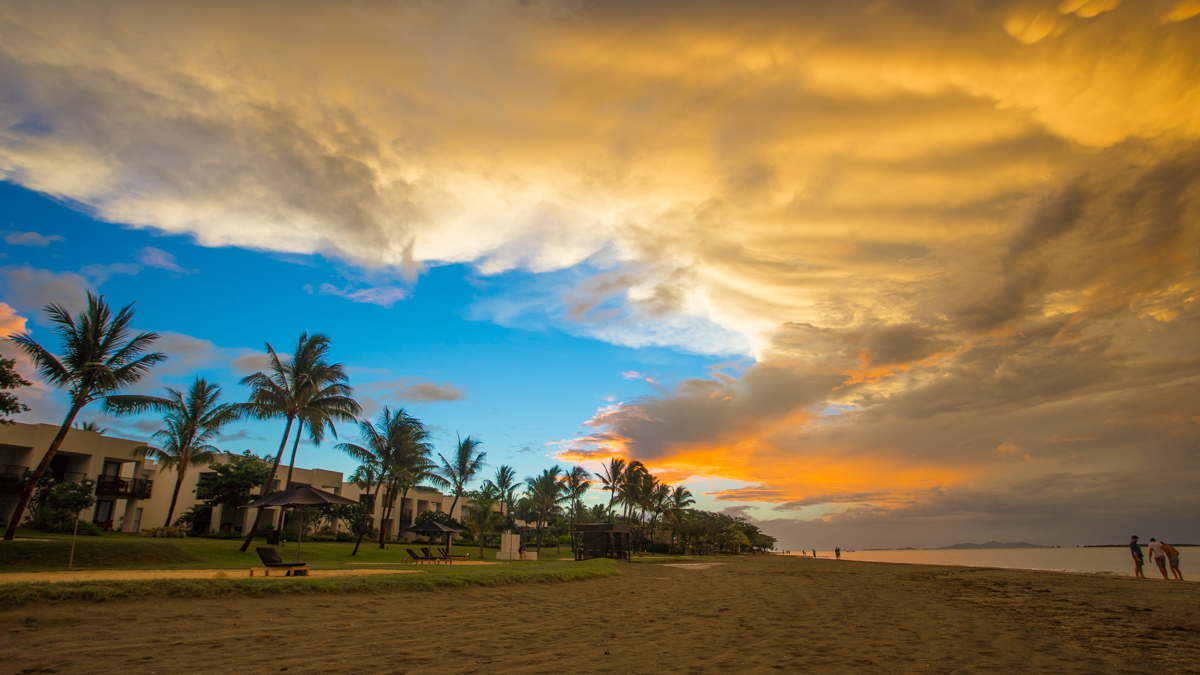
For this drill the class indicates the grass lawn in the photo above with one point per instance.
(116, 550)
(131, 552)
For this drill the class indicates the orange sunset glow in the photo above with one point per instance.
(941, 259)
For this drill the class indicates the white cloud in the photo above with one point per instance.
(384, 296)
(156, 257)
(30, 239)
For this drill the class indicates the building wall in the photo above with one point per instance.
(85, 453)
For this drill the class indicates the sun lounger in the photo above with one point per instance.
(421, 558)
(449, 561)
(447, 556)
(271, 561)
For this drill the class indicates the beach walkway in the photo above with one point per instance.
(760, 614)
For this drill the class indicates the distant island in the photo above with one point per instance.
(990, 544)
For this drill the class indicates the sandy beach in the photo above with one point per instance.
(760, 614)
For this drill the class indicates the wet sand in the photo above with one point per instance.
(761, 614)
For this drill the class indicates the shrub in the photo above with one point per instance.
(164, 532)
(63, 526)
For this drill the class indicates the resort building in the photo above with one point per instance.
(134, 493)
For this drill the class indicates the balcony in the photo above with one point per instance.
(10, 479)
(123, 488)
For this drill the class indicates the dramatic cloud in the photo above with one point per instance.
(942, 230)
(30, 239)
(29, 289)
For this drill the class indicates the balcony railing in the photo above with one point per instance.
(126, 488)
(10, 478)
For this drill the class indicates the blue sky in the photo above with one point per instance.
(523, 385)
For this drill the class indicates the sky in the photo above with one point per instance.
(885, 273)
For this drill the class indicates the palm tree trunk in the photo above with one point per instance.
(291, 467)
(611, 493)
(266, 489)
(175, 495)
(31, 484)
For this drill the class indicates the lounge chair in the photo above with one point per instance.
(447, 556)
(449, 561)
(421, 558)
(271, 561)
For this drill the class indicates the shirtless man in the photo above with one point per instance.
(1159, 558)
(1136, 552)
(1173, 560)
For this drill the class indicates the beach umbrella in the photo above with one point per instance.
(433, 528)
(301, 495)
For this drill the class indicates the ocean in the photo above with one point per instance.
(1096, 560)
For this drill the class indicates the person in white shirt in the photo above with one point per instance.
(1158, 556)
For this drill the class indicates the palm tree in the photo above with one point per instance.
(597, 513)
(410, 464)
(630, 487)
(468, 461)
(91, 426)
(378, 454)
(660, 500)
(611, 476)
(506, 484)
(577, 482)
(482, 520)
(192, 420)
(288, 389)
(100, 356)
(680, 500)
(545, 493)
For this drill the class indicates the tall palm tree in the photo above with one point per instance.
(577, 481)
(680, 500)
(629, 490)
(100, 356)
(410, 464)
(506, 484)
(379, 452)
(611, 475)
(288, 388)
(660, 501)
(467, 462)
(545, 493)
(192, 421)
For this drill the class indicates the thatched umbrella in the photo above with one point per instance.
(301, 495)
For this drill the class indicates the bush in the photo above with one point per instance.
(64, 526)
(164, 532)
(345, 536)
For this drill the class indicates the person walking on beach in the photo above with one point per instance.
(1173, 560)
(814, 552)
(1159, 558)
(837, 552)
(1136, 551)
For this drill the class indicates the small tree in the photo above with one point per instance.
(71, 498)
(482, 520)
(230, 484)
(10, 379)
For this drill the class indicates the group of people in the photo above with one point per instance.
(1164, 555)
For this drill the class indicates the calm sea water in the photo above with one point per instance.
(1101, 560)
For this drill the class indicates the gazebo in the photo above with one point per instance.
(602, 540)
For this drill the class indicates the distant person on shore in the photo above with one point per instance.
(1159, 558)
(1136, 551)
(837, 552)
(1173, 560)
(814, 552)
